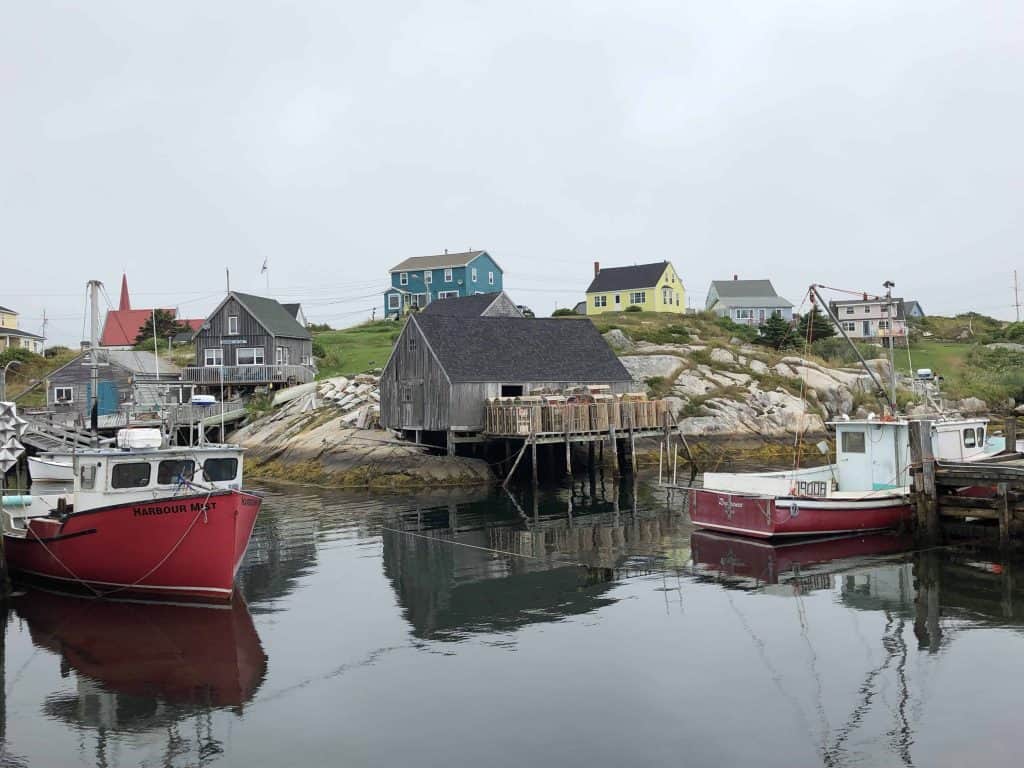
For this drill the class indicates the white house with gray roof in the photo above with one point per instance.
(747, 302)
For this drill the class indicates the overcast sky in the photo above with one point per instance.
(844, 142)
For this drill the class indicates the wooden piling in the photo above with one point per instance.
(533, 452)
(1010, 431)
(922, 461)
(568, 456)
(1004, 515)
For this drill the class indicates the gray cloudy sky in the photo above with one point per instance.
(842, 142)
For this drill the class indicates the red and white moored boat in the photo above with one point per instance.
(140, 519)
(866, 489)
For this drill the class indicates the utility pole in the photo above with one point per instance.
(45, 321)
(1016, 294)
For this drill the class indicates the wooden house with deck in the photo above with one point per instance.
(473, 379)
(251, 341)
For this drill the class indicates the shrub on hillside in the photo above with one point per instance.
(564, 312)
(837, 351)
(669, 334)
(19, 354)
(743, 332)
(634, 308)
(56, 351)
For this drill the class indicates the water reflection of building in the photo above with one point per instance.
(144, 668)
(491, 566)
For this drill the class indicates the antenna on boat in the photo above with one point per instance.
(816, 294)
(94, 362)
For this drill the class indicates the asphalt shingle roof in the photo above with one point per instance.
(462, 306)
(440, 261)
(272, 315)
(729, 289)
(626, 278)
(518, 349)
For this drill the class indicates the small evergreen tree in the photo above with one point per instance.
(777, 333)
(821, 326)
(166, 326)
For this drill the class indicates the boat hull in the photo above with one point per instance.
(770, 516)
(184, 547)
(50, 470)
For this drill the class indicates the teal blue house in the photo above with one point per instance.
(420, 280)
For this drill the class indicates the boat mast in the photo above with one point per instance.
(94, 360)
(815, 294)
(888, 285)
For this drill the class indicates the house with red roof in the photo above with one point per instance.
(122, 325)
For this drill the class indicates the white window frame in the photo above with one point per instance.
(448, 276)
(850, 326)
(258, 355)
(403, 278)
(744, 314)
(666, 295)
(69, 399)
(618, 299)
(428, 277)
(850, 310)
(472, 274)
(490, 278)
(883, 325)
(419, 300)
(600, 301)
(282, 356)
(218, 357)
(394, 301)
(638, 298)
(232, 325)
(448, 295)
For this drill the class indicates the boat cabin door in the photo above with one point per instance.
(853, 458)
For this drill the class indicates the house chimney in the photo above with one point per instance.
(597, 268)
(445, 251)
(735, 277)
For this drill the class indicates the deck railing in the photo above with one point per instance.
(574, 418)
(248, 374)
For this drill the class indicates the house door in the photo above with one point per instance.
(760, 317)
(412, 404)
(867, 329)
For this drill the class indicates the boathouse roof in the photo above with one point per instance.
(514, 349)
(625, 278)
(477, 305)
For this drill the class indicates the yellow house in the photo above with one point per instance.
(652, 287)
(12, 337)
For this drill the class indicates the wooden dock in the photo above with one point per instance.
(956, 492)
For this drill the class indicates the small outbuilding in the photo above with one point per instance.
(444, 368)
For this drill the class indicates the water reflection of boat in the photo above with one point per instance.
(143, 665)
(809, 563)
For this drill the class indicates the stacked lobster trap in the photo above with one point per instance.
(572, 411)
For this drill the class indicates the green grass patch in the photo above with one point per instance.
(363, 348)
(33, 369)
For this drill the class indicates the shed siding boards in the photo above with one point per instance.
(76, 375)
(429, 390)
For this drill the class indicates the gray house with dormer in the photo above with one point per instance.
(747, 302)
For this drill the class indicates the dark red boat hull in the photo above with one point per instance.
(767, 516)
(187, 547)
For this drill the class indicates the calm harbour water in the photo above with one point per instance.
(385, 631)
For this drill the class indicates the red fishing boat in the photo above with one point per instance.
(867, 488)
(142, 517)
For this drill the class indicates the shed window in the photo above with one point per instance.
(394, 301)
(473, 274)
(853, 442)
(970, 439)
(220, 470)
(133, 474)
(251, 356)
(63, 394)
(411, 342)
(232, 325)
(213, 357)
(282, 356)
(490, 278)
(174, 471)
(447, 275)
(403, 278)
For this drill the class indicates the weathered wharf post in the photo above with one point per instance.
(1010, 433)
(533, 455)
(922, 463)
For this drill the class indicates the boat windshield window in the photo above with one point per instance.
(130, 475)
(219, 470)
(981, 435)
(174, 471)
(969, 438)
(853, 442)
